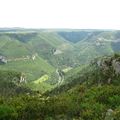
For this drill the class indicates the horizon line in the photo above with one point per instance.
(59, 28)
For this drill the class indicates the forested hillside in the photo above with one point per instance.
(59, 74)
(95, 95)
(41, 52)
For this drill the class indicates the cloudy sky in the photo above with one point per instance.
(83, 14)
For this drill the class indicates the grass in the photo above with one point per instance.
(42, 86)
(67, 69)
(41, 79)
(32, 69)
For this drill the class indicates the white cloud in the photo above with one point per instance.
(60, 13)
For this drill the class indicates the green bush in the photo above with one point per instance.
(7, 113)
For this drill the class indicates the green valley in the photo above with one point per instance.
(59, 74)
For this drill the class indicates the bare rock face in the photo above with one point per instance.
(22, 78)
(99, 63)
(57, 52)
(108, 67)
(116, 66)
(34, 56)
(3, 59)
(104, 64)
(109, 80)
(108, 63)
(109, 115)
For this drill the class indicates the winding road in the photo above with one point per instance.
(60, 77)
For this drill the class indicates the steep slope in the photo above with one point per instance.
(102, 70)
(34, 53)
(97, 97)
(96, 43)
(42, 52)
(32, 68)
(11, 85)
(89, 44)
(93, 95)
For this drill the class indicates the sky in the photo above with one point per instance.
(75, 14)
